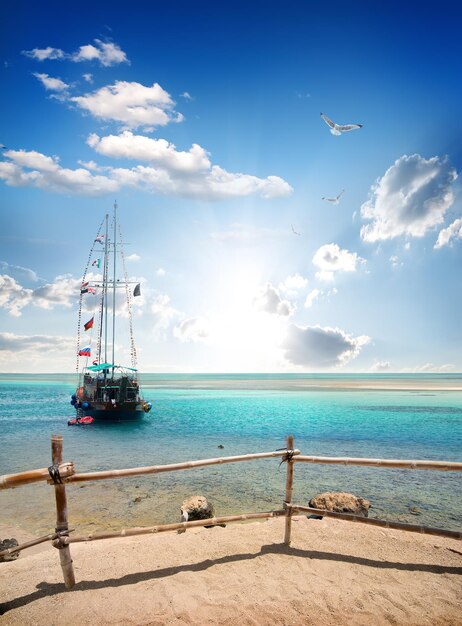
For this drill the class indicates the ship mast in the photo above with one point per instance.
(114, 288)
(105, 274)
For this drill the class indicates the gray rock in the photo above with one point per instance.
(341, 502)
(4, 545)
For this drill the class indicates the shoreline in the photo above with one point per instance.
(333, 573)
(270, 382)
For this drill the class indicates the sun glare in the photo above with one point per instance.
(245, 339)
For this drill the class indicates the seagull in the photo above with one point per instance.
(338, 129)
(294, 231)
(335, 200)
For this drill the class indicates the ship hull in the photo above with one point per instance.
(107, 412)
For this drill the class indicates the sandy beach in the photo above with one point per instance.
(333, 573)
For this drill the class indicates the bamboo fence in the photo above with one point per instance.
(61, 473)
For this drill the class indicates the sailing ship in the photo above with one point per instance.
(106, 390)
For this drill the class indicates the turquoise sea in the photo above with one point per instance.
(386, 416)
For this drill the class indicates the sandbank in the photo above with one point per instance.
(273, 383)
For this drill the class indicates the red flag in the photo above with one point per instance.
(89, 324)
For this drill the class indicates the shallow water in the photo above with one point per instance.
(192, 415)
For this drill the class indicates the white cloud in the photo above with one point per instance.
(50, 83)
(131, 104)
(447, 235)
(42, 54)
(381, 366)
(61, 292)
(223, 184)
(19, 343)
(33, 169)
(91, 165)
(106, 53)
(33, 160)
(155, 151)
(133, 257)
(270, 301)
(317, 347)
(163, 313)
(160, 271)
(35, 352)
(395, 262)
(293, 283)
(14, 297)
(311, 297)
(214, 185)
(430, 367)
(88, 77)
(192, 329)
(410, 198)
(330, 258)
(187, 96)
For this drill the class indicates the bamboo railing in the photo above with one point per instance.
(59, 474)
(173, 467)
(372, 521)
(10, 481)
(423, 465)
(162, 528)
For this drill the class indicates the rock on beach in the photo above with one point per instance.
(341, 502)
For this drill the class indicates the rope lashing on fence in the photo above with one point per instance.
(55, 476)
(35, 542)
(287, 457)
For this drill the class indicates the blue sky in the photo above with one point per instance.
(204, 123)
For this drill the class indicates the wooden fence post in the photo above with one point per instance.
(62, 525)
(289, 487)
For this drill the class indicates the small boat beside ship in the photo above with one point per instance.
(106, 390)
(81, 421)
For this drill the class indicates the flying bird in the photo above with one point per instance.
(338, 129)
(335, 200)
(294, 231)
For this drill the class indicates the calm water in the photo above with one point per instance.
(193, 414)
